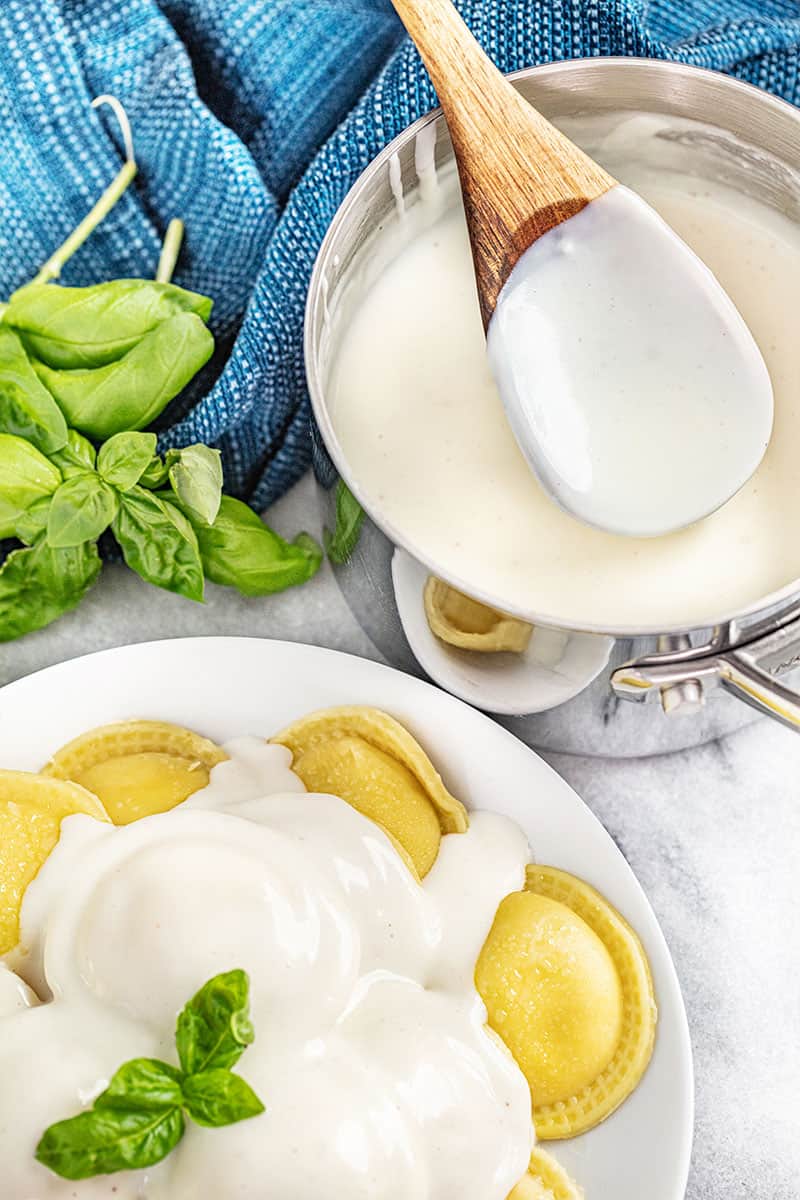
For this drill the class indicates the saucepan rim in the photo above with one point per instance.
(782, 598)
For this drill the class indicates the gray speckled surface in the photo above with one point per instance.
(713, 834)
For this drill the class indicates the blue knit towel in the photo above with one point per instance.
(230, 102)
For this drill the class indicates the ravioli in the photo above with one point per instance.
(461, 621)
(546, 1180)
(368, 759)
(137, 768)
(31, 811)
(567, 986)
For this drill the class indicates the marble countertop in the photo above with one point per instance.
(713, 835)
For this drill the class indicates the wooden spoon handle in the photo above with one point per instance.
(519, 175)
(454, 60)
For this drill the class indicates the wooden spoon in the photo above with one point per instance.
(519, 175)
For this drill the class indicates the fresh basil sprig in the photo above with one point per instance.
(141, 1116)
(174, 537)
(100, 363)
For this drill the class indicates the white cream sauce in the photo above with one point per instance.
(632, 384)
(421, 425)
(15, 995)
(371, 1053)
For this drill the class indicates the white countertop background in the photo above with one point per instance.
(713, 835)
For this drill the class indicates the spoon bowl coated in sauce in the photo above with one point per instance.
(633, 385)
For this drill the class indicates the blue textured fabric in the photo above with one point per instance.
(230, 102)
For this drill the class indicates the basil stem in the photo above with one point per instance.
(170, 250)
(52, 268)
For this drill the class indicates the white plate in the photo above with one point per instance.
(228, 686)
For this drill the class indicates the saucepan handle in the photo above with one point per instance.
(752, 671)
(740, 675)
(749, 671)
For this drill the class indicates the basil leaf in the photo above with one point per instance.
(33, 522)
(73, 327)
(39, 583)
(240, 551)
(125, 457)
(131, 392)
(75, 456)
(340, 544)
(214, 1028)
(26, 406)
(139, 1118)
(155, 473)
(145, 1083)
(25, 477)
(82, 508)
(196, 477)
(158, 542)
(105, 1140)
(218, 1097)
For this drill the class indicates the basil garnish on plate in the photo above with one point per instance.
(141, 1116)
(214, 1029)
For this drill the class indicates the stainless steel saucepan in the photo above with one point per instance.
(612, 691)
